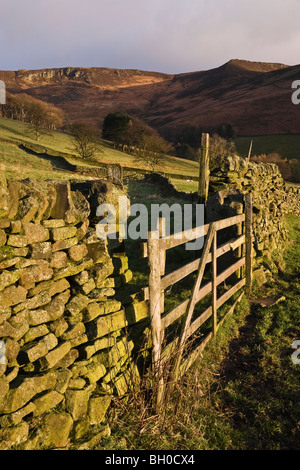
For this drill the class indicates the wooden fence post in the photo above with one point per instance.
(155, 317)
(214, 283)
(240, 248)
(204, 169)
(248, 242)
(162, 261)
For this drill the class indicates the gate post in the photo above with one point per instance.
(204, 169)
(155, 317)
(248, 242)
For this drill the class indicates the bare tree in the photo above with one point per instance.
(85, 139)
(152, 150)
(219, 147)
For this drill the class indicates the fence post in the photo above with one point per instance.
(162, 260)
(155, 317)
(239, 233)
(248, 242)
(204, 169)
(214, 283)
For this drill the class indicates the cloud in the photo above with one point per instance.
(163, 35)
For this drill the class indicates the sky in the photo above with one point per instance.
(170, 36)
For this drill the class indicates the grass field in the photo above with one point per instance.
(19, 163)
(287, 145)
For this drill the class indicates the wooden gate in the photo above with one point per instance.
(155, 249)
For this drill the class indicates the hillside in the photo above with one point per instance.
(254, 97)
(16, 162)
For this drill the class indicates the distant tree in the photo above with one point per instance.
(227, 131)
(85, 139)
(152, 150)
(38, 113)
(186, 151)
(141, 139)
(219, 147)
(115, 128)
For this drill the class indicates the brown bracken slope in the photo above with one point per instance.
(254, 97)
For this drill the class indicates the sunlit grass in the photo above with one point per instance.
(61, 142)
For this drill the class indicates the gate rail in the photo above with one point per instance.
(155, 249)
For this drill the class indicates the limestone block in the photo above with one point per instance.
(59, 259)
(64, 244)
(28, 387)
(63, 233)
(36, 273)
(35, 233)
(13, 436)
(68, 359)
(90, 349)
(52, 287)
(41, 250)
(54, 431)
(81, 278)
(33, 351)
(58, 327)
(42, 298)
(95, 309)
(56, 307)
(136, 312)
(77, 304)
(97, 408)
(96, 439)
(79, 340)
(2, 237)
(73, 331)
(77, 252)
(104, 325)
(9, 263)
(73, 269)
(47, 401)
(5, 223)
(36, 332)
(88, 287)
(102, 271)
(17, 240)
(98, 251)
(7, 278)
(53, 223)
(101, 294)
(94, 372)
(63, 379)
(15, 418)
(12, 295)
(77, 402)
(77, 384)
(54, 356)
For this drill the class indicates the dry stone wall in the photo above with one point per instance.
(231, 177)
(67, 342)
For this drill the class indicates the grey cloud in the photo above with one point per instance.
(163, 35)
